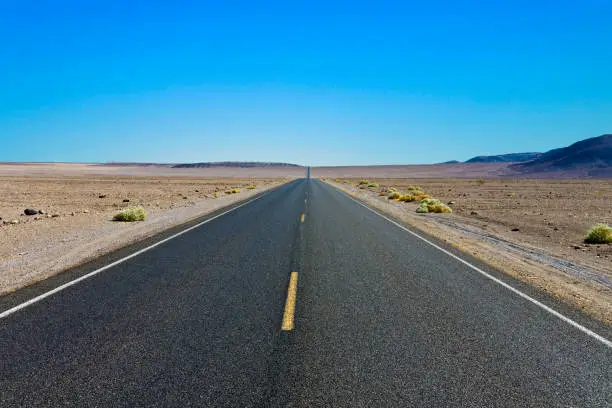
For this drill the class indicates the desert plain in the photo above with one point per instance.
(77, 208)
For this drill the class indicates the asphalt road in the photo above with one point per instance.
(381, 319)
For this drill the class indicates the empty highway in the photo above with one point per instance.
(299, 298)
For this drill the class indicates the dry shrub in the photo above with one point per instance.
(432, 205)
(131, 214)
(599, 234)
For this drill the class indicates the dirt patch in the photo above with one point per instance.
(531, 229)
(76, 221)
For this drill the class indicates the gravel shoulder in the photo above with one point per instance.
(77, 225)
(578, 277)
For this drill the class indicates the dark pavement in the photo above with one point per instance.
(382, 319)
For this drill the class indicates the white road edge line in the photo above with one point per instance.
(97, 271)
(493, 278)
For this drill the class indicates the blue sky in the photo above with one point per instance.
(319, 83)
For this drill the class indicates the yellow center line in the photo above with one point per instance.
(290, 303)
(303, 217)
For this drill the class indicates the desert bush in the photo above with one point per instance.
(364, 182)
(480, 181)
(131, 214)
(251, 187)
(407, 198)
(381, 194)
(420, 196)
(372, 185)
(432, 205)
(394, 195)
(235, 191)
(599, 234)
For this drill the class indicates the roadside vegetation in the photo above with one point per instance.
(599, 234)
(427, 204)
(432, 205)
(131, 214)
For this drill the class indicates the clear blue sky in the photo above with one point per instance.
(306, 82)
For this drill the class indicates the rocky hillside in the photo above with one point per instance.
(505, 158)
(587, 158)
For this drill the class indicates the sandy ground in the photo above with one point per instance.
(84, 169)
(459, 170)
(77, 225)
(552, 217)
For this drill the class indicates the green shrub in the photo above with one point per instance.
(599, 234)
(394, 195)
(235, 191)
(364, 182)
(251, 187)
(432, 205)
(131, 214)
(372, 185)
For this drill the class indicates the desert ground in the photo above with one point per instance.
(457, 170)
(143, 170)
(76, 221)
(531, 229)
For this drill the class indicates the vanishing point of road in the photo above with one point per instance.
(300, 298)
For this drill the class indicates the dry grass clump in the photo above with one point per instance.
(372, 185)
(420, 196)
(364, 182)
(233, 191)
(381, 194)
(131, 214)
(394, 195)
(251, 187)
(599, 234)
(406, 198)
(432, 205)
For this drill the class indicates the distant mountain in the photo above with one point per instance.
(587, 158)
(505, 158)
(451, 162)
(232, 164)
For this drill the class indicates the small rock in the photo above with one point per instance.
(55, 215)
(49, 216)
(556, 229)
(515, 229)
(73, 213)
(197, 191)
(85, 211)
(102, 196)
(473, 213)
(15, 222)
(30, 211)
(125, 200)
(42, 212)
(22, 253)
(451, 203)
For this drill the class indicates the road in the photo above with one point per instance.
(382, 318)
